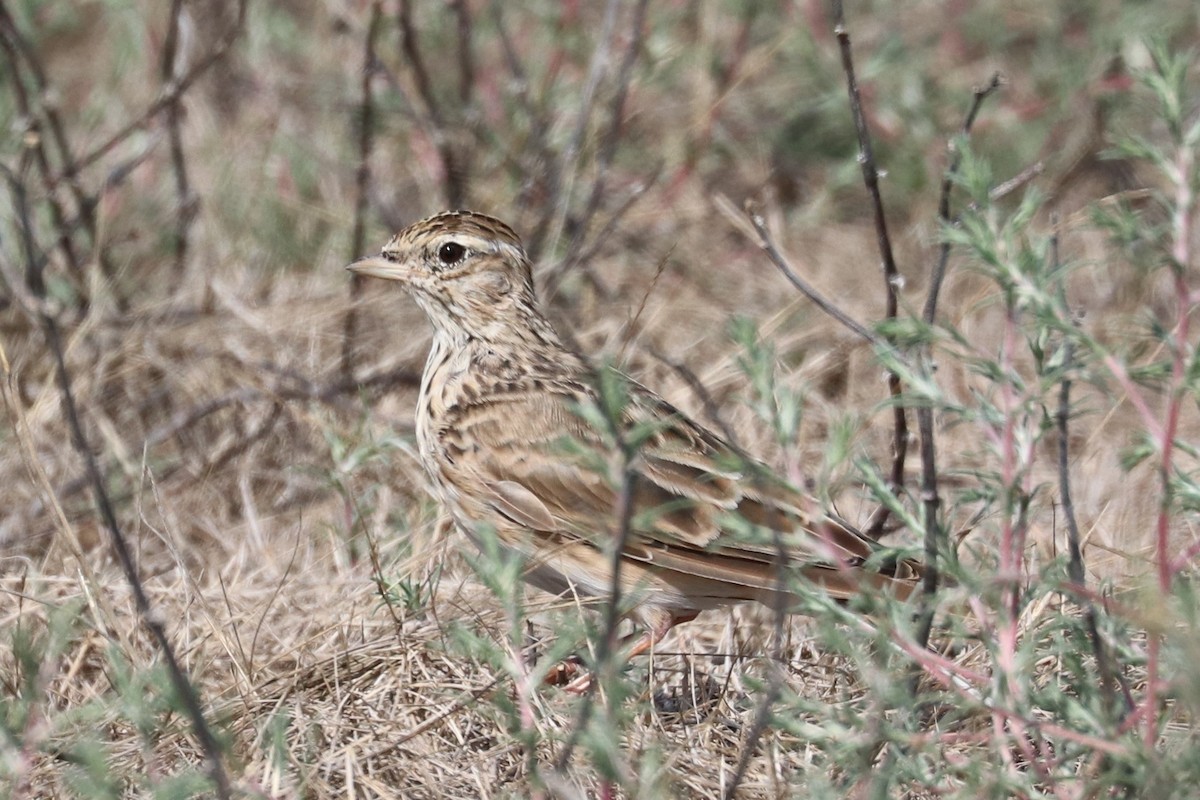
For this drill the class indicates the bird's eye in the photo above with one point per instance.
(451, 253)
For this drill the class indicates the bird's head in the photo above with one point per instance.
(468, 272)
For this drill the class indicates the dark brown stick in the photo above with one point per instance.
(455, 179)
(537, 153)
(558, 202)
(295, 387)
(930, 503)
(466, 54)
(178, 89)
(116, 176)
(930, 499)
(362, 182)
(85, 207)
(623, 513)
(34, 142)
(174, 112)
(1109, 684)
(612, 137)
(555, 274)
(939, 271)
(466, 88)
(767, 243)
(891, 275)
(150, 618)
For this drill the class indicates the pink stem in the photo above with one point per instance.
(1181, 253)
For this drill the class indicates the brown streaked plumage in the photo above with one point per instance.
(499, 401)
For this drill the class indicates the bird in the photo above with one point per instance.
(512, 433)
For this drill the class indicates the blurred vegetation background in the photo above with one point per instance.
(184, 182)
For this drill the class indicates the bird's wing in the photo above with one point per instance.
(694, 498)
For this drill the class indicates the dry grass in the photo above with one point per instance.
(266, 497)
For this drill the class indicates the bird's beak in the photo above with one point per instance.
(379, 267)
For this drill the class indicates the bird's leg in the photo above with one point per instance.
(656, 634)
(579, 683)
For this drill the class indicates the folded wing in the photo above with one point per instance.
(695, 497)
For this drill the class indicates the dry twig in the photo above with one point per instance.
(891, 275)
(362, 181)
(150, 618)
(172, 58)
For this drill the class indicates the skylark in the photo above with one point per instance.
(503, 432)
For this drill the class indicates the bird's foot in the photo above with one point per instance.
(569, 673)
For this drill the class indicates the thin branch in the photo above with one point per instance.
(608, 644)
(930, 499)
(1075, 570)
(762, 719)
(116, 176)
(184, 205)
(466, 55)
(160, 104)
(608, 144)
(411, 47)
(466, 88)
(58, 134)
(555, 274)
(1015, 456)
(358, 520)
(1023, 177)
(455, 178)
(34, 143)
(1183, 559)
(153, 621)
(548, 229)
(712, 409)
(1184, 207)
(624, 517)
(930, 503)
(537, 155)
(362, 180)
(779, 612)
(767, 243)
(939, 271)
(366, 130)
(293, 387)
(1075, 551)
(891, 275)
